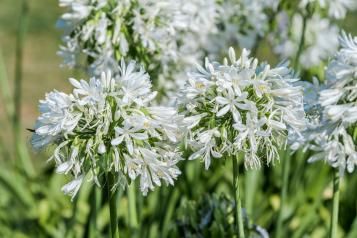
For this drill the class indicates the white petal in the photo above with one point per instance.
(75, 83)
(139, 136)
(196, 155)
(222, 100)
(236, 115)
(223, 111)
(277, 125)
(129, 145)
(101, 148)
(73, 187)
(216, 154)
(64, 167)
(117, 141)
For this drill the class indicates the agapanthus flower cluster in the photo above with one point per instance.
(315, 30)
(107, 125)
(333, 139)
(168, 37)
(236, 26)
(240, 106)
(199, 22)
(105, 31)
(226, 23)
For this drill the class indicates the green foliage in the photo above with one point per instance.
(211, 216)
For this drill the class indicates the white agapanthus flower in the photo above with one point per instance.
(108, 125)
(198, 20)
(240, 107)
(213, 26)
(105, 31)
(336, 9)
(315, 46)
(168, 37)
(236, 26)
(333, 139)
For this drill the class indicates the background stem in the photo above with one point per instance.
(302, 41)
(335, 204)
(239, 217)
(112, 196)
(19, 147)
(133, 218)
(18, 71)
(251, 184)
(283, 193)
(93, 213)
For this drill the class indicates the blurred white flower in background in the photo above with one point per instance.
(168, 37)
(108, 125)
(146, 28)
(315, 49)
(237, 26)
(336, 8)
(240, 107)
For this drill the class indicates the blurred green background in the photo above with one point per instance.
(32, 205)
(40, 64)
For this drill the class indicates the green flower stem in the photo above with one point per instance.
(252, 178)
(20, 147)
(93, 213)
(18, 69)
(112, 196)
(133, 217)
(283, 193)
(72, 221)
(239, 217)
(301, 43)
(336, 198)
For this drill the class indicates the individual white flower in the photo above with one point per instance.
(209, 143)
(226, 114)
(127, 134)
(107, 125)
(73, 187)
(57, 117)
(232, 102)
(154, 168)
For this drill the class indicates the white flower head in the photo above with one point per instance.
(340, 95)
(108, 125)
(240, 106)
(154, 32)
(333, 139)
(240, 23)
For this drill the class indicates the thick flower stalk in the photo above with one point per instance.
(241, 107)
(106, 126)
